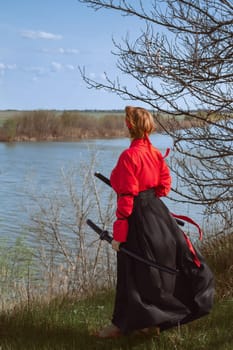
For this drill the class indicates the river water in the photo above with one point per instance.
(39, 165)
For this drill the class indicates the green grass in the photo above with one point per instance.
(70, 324)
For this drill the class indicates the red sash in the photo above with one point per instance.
(189, 244)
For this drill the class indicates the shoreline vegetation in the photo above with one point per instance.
(49, 125)
(57, 293)
(70, 322)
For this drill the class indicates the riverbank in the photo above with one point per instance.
(70, 325)
(69, 322)
(32, 126)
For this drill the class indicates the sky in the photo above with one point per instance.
(43, 44)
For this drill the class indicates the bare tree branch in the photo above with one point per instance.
(182, 64)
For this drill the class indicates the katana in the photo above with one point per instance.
(107, 182)
(104, 235)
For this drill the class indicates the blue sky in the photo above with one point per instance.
(42, 44)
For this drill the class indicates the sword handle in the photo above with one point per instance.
(103, 178)
(104, 235)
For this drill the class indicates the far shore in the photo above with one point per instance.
(66, 126)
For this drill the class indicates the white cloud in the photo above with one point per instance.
(70, 66)
(11, 66)
(4, 67)
(68, 51)
(61, 51)
(35, 79)
(95, 76)
(56, 66)
(31, 34)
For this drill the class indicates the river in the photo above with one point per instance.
(38, 165)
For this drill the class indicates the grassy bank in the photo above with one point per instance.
(70, 322)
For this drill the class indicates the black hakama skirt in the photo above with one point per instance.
(147, 297)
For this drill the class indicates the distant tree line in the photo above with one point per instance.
(69, 125)
(45, 125)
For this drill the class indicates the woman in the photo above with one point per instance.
(145, 296)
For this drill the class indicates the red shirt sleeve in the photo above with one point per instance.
(125, 184)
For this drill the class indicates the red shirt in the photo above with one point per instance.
(140, 167)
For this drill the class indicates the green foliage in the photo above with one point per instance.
(15, 258)
(72, 324)
(218, 252)
(16, 268)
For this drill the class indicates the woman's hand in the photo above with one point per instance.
(116, 245)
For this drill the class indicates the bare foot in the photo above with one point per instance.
(110, 331)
